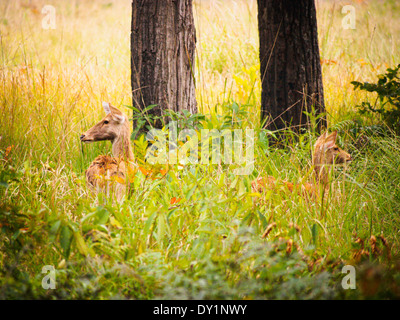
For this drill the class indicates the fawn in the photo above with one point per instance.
(326, 154)
(107, 174)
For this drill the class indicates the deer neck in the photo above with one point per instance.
(121, 147)
(321, 170)
(321, 174)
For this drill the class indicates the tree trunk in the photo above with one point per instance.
(290, 62)
(163, 42)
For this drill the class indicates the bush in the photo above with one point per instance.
(387, 103)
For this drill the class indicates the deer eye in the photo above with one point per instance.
(336, 148)
(105, 121)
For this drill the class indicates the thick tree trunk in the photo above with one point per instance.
(163, 41)
(290, 62)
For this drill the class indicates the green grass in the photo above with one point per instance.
(208, 244)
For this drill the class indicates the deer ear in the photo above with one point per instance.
(119, 118)
(106, 107)
(321, 139)
(331, 139)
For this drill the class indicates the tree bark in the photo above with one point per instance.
(163, 42)
(290, 63)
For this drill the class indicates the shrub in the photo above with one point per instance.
(387, 103)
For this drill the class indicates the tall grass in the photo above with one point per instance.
(197, 232)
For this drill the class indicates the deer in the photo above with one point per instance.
(325, 155)
(108, 174)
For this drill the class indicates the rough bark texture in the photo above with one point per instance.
(290, 62)
(163, 41)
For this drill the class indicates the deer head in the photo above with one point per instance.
(327, 153)
(114, 127)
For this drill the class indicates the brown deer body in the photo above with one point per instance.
(326, 154)
(108, 174)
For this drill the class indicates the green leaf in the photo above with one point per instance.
(66, 237)
(262, 219)
(148, 224)
(54, 229)
(132, 108)
(314, 233)
(161, 228)
(102, 216)
(81, 245)
(189, 194)
(148, 108)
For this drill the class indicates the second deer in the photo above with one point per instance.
(326, 154)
